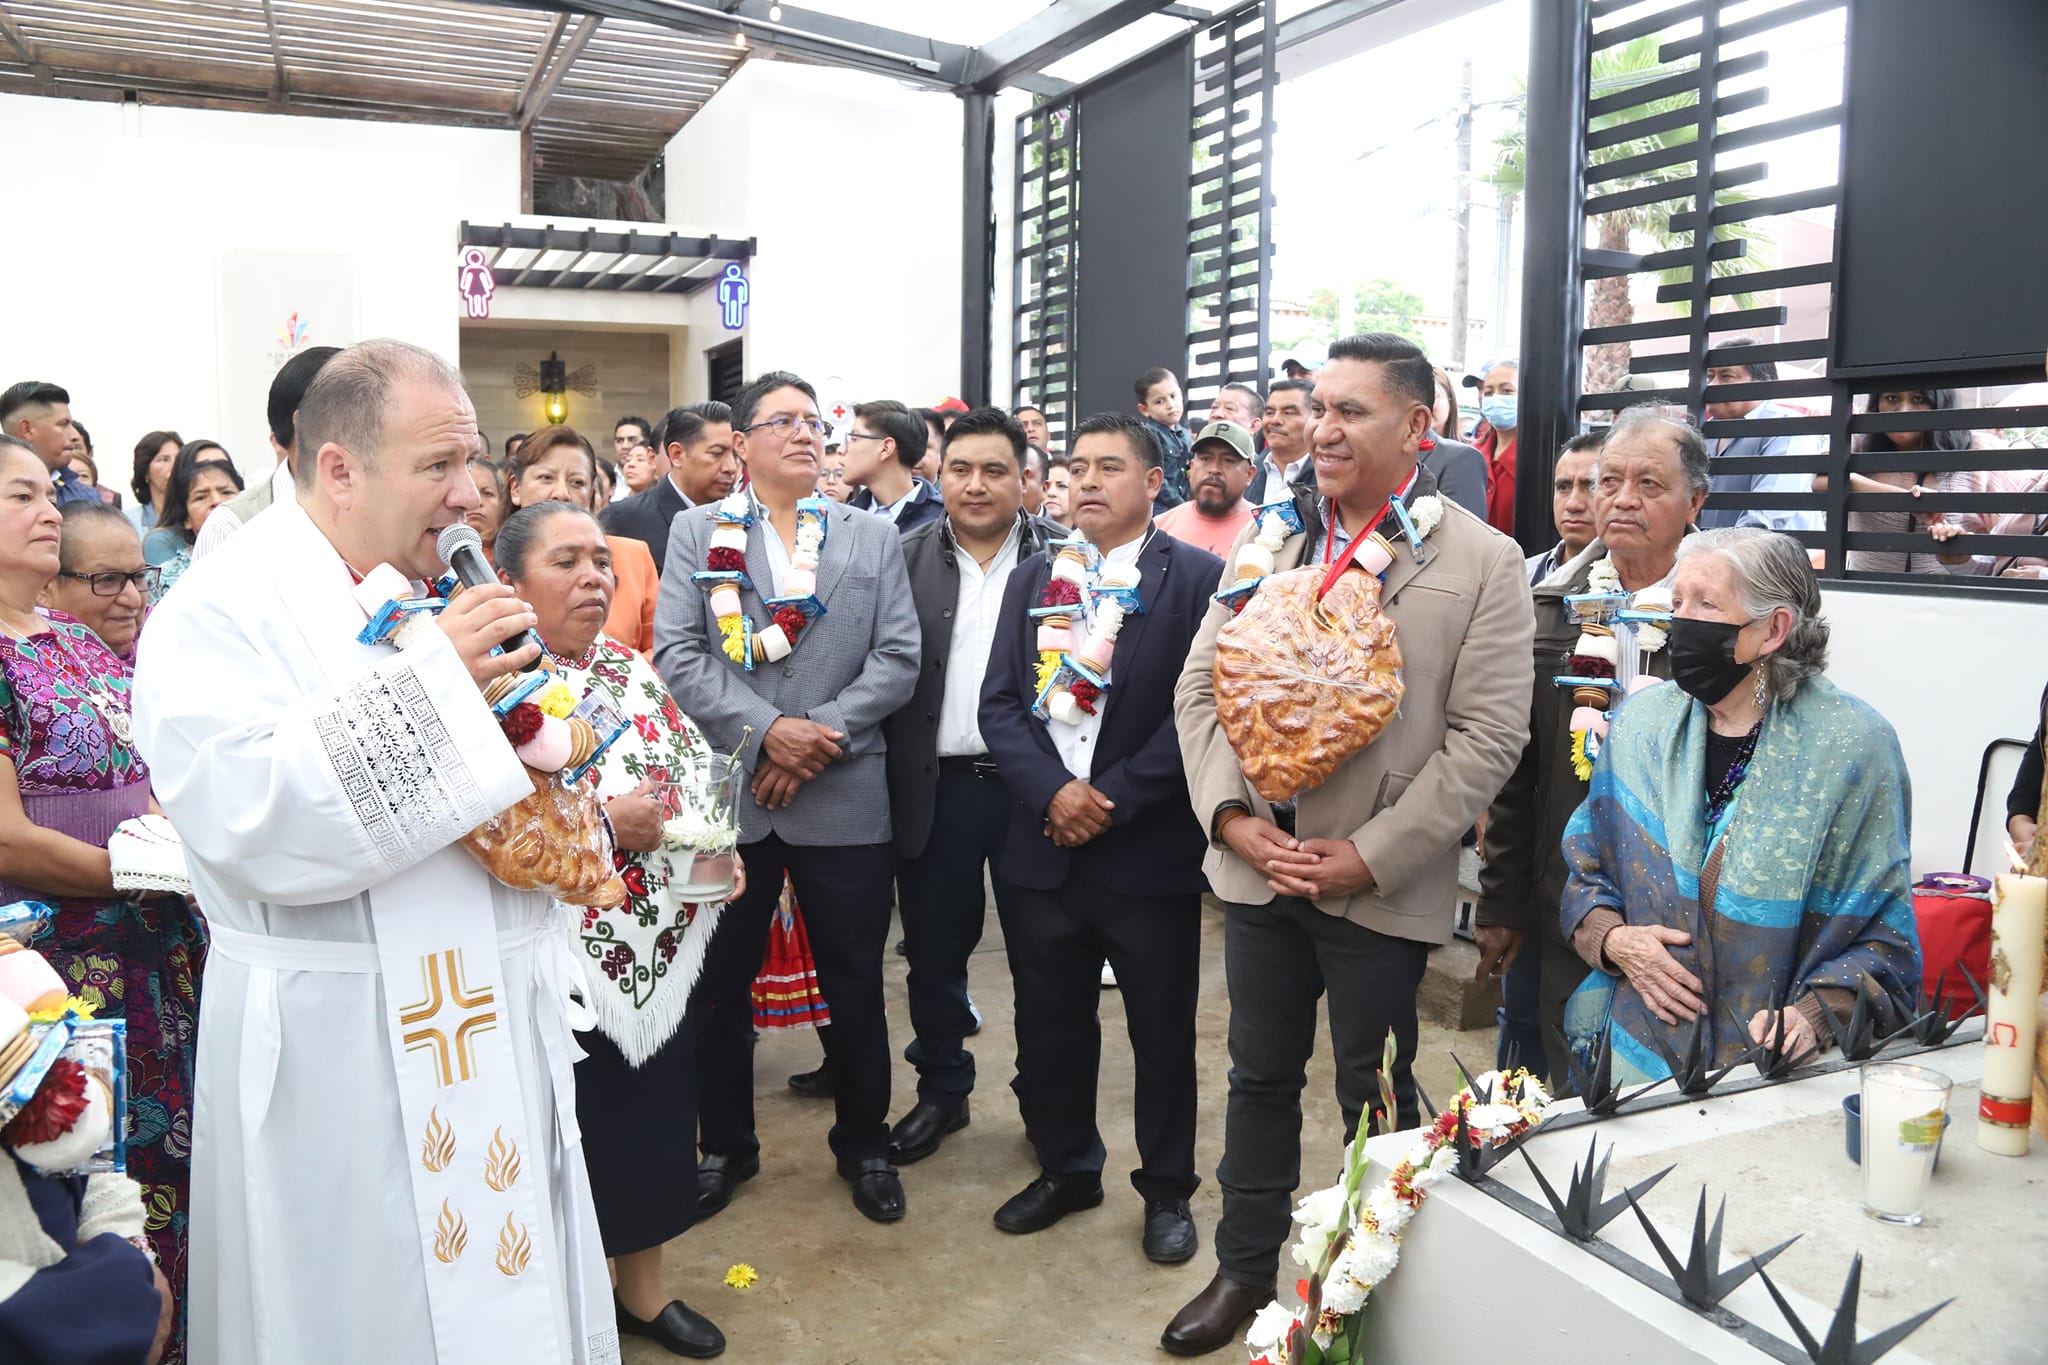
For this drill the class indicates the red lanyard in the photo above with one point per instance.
(1343, 562)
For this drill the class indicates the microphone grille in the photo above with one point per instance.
(454, 537)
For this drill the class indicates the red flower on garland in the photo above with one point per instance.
(521, 723)
(1085, 695)
(792, 620)
(1059, 593)
(1586, 666)
(725, 559)
(57, 1104)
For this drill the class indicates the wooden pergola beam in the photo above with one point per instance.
(19, 42)
(533, 102)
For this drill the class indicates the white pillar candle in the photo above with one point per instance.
(2018, 907)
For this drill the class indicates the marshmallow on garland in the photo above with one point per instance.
(725, 573)
(1071, 681)
(1279, 519)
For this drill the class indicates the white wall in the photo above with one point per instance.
(851, 183)
(1951, 674)
(114, 267)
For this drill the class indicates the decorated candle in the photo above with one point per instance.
(2019, 906)
(1903, 1109)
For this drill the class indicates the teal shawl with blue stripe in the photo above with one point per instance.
(1814, 886)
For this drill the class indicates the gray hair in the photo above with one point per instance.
(1691, 446)
(346, 402)
(77, 516)
(1771, 571)
(517, 536)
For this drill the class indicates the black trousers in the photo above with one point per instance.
(1058, 941)
(944, 906)
(844, 891)
(1278, 959)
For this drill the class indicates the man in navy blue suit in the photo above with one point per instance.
(1104, 849)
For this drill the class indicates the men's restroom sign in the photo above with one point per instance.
(476, 282)
(732, 297)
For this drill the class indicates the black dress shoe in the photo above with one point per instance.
(679, 1328)
(921, 1130)
(1169, 1231)
(719, 1175)
(814, 1085)
(877, 1193)
(1211, 1320)
(1048, 1199)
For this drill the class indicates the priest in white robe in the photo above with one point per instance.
(386, 1164)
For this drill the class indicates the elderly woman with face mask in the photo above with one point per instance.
(1739, 865)
(642, 958)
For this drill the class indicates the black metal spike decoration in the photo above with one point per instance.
(1693, 1071)
(1841, 1346)
(1859, 1039)
(1772, 1058)
(1583, 1212)
(1422, 1098)
(1595, 1085)
(1475, 1159)
(1935, 1027)
(1701, 1282)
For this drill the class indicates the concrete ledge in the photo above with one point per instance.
(1449, 997)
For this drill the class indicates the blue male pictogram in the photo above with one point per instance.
(732, 296)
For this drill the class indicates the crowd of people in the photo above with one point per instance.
(901, 700)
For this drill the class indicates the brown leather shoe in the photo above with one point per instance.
(1213, 1317)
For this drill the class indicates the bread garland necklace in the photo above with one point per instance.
(1071, 682)
(1280, 518)
(725, 573)
(1592, 673)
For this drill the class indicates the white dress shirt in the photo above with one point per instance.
(778, 555)
(894, 511)
(1076, 743)
(976, 611)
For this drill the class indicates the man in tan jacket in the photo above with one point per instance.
(1345, 891)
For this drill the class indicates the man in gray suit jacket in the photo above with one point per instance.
(818, 803)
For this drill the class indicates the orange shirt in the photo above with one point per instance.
(1214, 534)
(631, 619)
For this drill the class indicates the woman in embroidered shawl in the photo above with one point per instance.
(1740, 862)
(69, 774)
(636, 1090)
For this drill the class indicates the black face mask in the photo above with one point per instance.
(1703, 658)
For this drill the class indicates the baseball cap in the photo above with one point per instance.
(1231, 434)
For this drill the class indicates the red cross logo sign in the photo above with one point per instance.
(839, 412)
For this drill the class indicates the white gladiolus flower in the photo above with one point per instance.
(1270, 1327)
(1324, 1208)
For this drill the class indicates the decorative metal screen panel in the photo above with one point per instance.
(1711, 162)
(1230, 204)
(1047, 216)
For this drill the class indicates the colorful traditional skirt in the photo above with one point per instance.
(786, 992)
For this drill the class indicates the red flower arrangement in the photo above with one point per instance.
(1587, 666)
(521, 723)
(726, 560)
(792, 621)
(57, 1104)
(1085, 695)
(1059, 593)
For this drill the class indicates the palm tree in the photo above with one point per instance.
(1623, 67)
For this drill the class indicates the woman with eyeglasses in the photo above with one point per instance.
(102, 581)
(69, 775)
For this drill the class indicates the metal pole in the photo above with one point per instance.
(1552, 282)
(1461, 230)
(977, 243)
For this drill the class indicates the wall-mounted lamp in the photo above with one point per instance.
(554, 384)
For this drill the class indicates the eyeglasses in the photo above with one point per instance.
(110, 584)
(786, 426)
(864, 436)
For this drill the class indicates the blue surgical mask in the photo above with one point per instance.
(1499, 411)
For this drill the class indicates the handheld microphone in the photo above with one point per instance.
(462, 550)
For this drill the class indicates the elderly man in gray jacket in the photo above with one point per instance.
(817, 807)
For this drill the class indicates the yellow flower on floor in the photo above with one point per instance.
(741, 1276)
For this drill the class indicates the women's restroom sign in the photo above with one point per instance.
(475, 281)
(732, 297)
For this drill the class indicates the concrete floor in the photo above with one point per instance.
(944, 1284)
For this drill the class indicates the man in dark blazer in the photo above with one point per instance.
(1105, 853)
(808, 729)
(886, 443)
(946, 800)
(703, 468)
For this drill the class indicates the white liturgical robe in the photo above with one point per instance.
(385, 1160)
